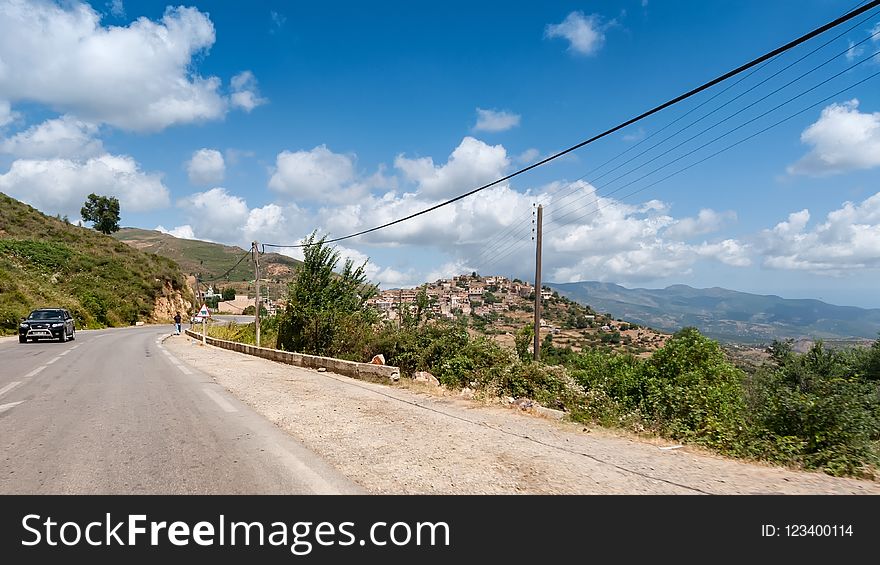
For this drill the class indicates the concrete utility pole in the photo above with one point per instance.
(257, 286)
(537, 347)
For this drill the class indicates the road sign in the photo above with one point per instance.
(203, 313)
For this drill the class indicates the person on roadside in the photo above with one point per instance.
(177, 323)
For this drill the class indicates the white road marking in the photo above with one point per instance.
(102, 335)
(221, 402)
(185, 370)
(9, 387)
(35, 371)
(65, 352)
(74, 347)
(52, 360)
(5, 407)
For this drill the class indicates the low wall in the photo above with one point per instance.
(363, 371)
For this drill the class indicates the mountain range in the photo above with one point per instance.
(725, 314)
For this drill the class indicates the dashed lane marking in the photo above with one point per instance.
(5, 407)
(65, 352)
(49, 362)
(9, 387)
(35, 371)
(220, 401)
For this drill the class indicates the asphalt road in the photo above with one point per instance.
(113, 412)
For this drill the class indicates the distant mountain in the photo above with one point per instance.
(208, 259)
(726, 314)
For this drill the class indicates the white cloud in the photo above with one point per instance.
(65, 137)
(585, 34)
(7, 116)
(707, 221)
(183, 232)
(216, 215)
(528, 156)
(847, 242)
(117, 8)
(843, 139)
(206, 167)
(60, 186)
(245, 94)
(471, 164)
(730, 252)
(278, 21)
(495, 120)
(136, 77)
(318, 175)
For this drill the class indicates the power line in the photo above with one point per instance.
(686, 95)
(224, 275)
(727, 148)
(741, 110)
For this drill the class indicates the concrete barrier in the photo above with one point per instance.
(362, 371)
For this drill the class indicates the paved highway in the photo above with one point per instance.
(113, 412)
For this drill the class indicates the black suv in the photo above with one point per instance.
(47, 323)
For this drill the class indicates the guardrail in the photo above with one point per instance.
(363, 371)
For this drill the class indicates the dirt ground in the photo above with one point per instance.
(407, 439)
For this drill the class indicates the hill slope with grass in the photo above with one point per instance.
(726, 314)
(210, 260)
(47, 262)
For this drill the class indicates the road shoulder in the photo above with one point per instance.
(397, 440)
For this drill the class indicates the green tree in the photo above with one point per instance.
(522, 340)
(229, 293)
(103, 212)
(325, 310)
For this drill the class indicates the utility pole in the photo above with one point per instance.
(257, 286)
(537, 347)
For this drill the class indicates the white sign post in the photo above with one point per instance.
(204, 315)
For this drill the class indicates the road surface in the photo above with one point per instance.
(113, 412)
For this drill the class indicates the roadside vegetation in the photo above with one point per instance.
(815, 410)
(47, 261)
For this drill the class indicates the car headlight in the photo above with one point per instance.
(57, 325)
(23, 325)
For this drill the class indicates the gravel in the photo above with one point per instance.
(410, 438)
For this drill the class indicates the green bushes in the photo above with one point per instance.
(820, 409)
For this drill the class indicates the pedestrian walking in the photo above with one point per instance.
(177, 323)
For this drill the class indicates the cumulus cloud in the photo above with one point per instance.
(495, 120)
(707, 221)
(842, 140)
(847, 241)
(471, 164)
(528, 156)
(245, 94)
(60, 186)
(216, 215)
(65, 137)
(136, 77)
(205, 167)
(318, 175)
(585, 34)
(183, 232)
(117, 8)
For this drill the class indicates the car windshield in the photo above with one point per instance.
(45, 315)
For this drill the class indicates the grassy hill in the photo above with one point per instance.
(47, 262)
(726, 314)
(210, 260)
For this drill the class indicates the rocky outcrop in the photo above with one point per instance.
(170, 302)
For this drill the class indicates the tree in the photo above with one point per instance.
(326, 311)
(103, 212)
(523, 340)
(228, 293)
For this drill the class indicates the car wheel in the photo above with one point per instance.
(63, 337)
(73, 334)
(22, 339)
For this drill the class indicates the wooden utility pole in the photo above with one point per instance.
(257, 287)
(537, 347)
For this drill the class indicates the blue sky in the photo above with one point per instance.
(233, 122)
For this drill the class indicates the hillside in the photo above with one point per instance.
(727, 314)
(210, 260)
(47, 262)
